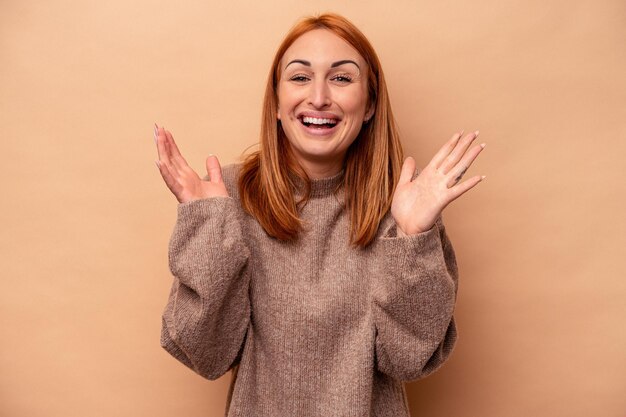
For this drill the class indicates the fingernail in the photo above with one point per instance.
(476, 133)
(483, 177)
(157, 165)
(156, 129)
(462, 131)
(483, 144)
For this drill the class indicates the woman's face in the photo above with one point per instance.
(322, 100)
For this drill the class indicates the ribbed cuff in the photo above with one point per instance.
(406, 253)
(191, 211)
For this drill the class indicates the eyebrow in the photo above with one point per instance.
(333, 65)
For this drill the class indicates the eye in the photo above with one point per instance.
(342, 78)
(299, 78)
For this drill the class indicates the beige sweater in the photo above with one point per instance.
(312, 328)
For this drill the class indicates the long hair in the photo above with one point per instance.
(372, 163)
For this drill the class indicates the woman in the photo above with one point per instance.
(318, 270)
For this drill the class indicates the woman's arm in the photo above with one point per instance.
(413, 302)
(208, 310)
(415, 293)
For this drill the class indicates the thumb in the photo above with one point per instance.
(214, 169)
(408, 168)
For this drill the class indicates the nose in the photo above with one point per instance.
(319, 94)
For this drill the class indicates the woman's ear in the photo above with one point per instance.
(369, 113)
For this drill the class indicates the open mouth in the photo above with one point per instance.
(318, 123)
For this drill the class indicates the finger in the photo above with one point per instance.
(214, 169)
(457, 172)
(170, 150)
(445, 150)
(463, 187)
(175, 155)
(161, 147)
(458, 152)
(170, 180)
(408, 168)
(453, 180)
(165, 153)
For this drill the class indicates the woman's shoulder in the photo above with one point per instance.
(230, 176)
(230, 173)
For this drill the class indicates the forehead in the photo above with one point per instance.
(321, 46)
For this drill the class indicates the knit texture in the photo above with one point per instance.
(313, 327)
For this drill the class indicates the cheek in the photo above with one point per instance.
(287, 96)
(354, 101)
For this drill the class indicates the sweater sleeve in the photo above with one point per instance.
(207, 314)
(413, 302)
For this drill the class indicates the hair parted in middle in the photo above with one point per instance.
(372, 163)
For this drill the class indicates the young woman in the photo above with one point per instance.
(318, 270)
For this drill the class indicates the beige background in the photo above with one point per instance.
(86, 218)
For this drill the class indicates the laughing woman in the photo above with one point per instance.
(318, 270)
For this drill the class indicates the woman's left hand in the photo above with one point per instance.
(417, 204)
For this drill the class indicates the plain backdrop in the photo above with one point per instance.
(86, 217)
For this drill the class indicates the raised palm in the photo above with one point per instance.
(417, 203)
(180, 178)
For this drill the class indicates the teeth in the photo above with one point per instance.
(317, 121)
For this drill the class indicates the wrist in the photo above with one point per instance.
(400, 232)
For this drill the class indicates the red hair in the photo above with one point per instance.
(372, 163)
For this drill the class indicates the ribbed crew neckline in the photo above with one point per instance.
(320, 187)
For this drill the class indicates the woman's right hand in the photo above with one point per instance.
(183, 181)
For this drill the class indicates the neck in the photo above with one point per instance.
(319, 171)
(320, 187)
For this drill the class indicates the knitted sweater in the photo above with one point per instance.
(312, 328)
